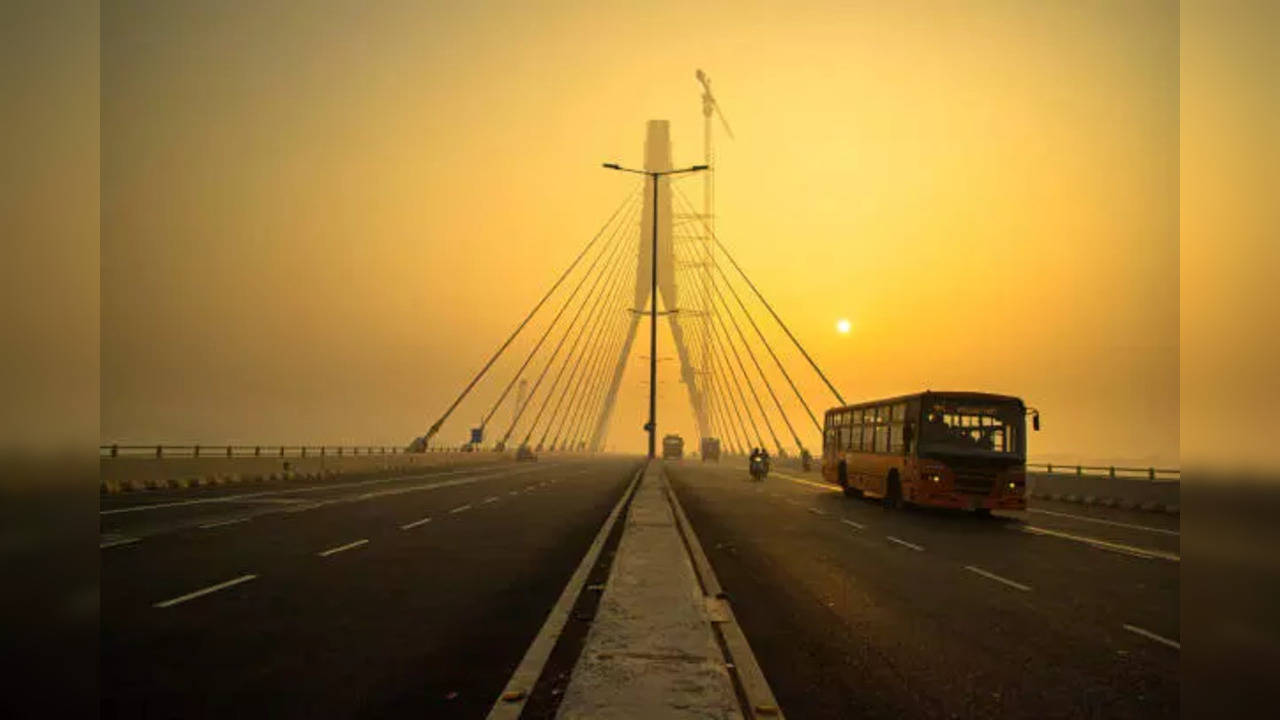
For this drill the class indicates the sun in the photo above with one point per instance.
(843, 326)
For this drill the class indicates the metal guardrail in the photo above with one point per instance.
(245, 451)
(1153, 474)
(268, 451)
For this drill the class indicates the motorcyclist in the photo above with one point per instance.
(760, 459)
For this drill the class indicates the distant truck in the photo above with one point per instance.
(672, 447)
(711, 449)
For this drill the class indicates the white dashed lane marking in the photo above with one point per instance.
(904, 543)
(997, 578)
(415, 523)
(204, 591)
(460, 508)
(117, 542)
(490, 499)
(340, 548)
(1152, 636)
(853, 524)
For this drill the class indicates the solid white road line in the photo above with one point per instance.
(340, 548)
(904, 543)
(1148, 634)
(853, 524)
(1100, 521)
(415, 523)
(460, 508)
(1145, 553)
(997, 578)
(117, 542)
(802, 481)
(224, 522)
(526, 673)
(204, 591)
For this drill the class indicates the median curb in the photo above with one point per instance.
(1167, 508)
(652, 651)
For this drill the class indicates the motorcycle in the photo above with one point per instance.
(759, 468)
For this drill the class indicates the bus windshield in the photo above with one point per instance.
(955, 425)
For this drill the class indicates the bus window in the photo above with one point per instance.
(897, 416)
(957, 426)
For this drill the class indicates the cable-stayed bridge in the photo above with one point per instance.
(741, 392)
(447, 581)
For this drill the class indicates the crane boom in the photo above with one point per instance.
(709, 104)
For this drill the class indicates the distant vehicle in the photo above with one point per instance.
(711, 449)
(524, 453)
(672, 447)
(758, 466)
(963, 450)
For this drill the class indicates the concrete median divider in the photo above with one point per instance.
(141, 474)
(654, 649)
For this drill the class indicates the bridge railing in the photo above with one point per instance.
(1153, 474)
(241, 451)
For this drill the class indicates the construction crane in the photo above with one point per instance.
(709, 107)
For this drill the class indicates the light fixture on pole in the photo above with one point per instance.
(652, 425)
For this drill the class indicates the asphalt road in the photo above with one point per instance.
(411, 594)
(417, 594)
(855, 611)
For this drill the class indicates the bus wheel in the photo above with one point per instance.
(842, 479)
(893, 494)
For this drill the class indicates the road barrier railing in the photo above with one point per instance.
(163, 451)
(1153, 474)
(126, 468)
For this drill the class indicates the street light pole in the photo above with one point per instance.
(652, 425)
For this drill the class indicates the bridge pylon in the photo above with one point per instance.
(657, 156)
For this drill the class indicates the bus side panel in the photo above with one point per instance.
(910, 476)
(830, 467)
(869, 472)
(862, 471)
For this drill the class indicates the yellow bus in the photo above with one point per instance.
(965, 450)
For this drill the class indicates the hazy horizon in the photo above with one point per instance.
(317, 225)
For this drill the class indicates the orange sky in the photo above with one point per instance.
(317, 224)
